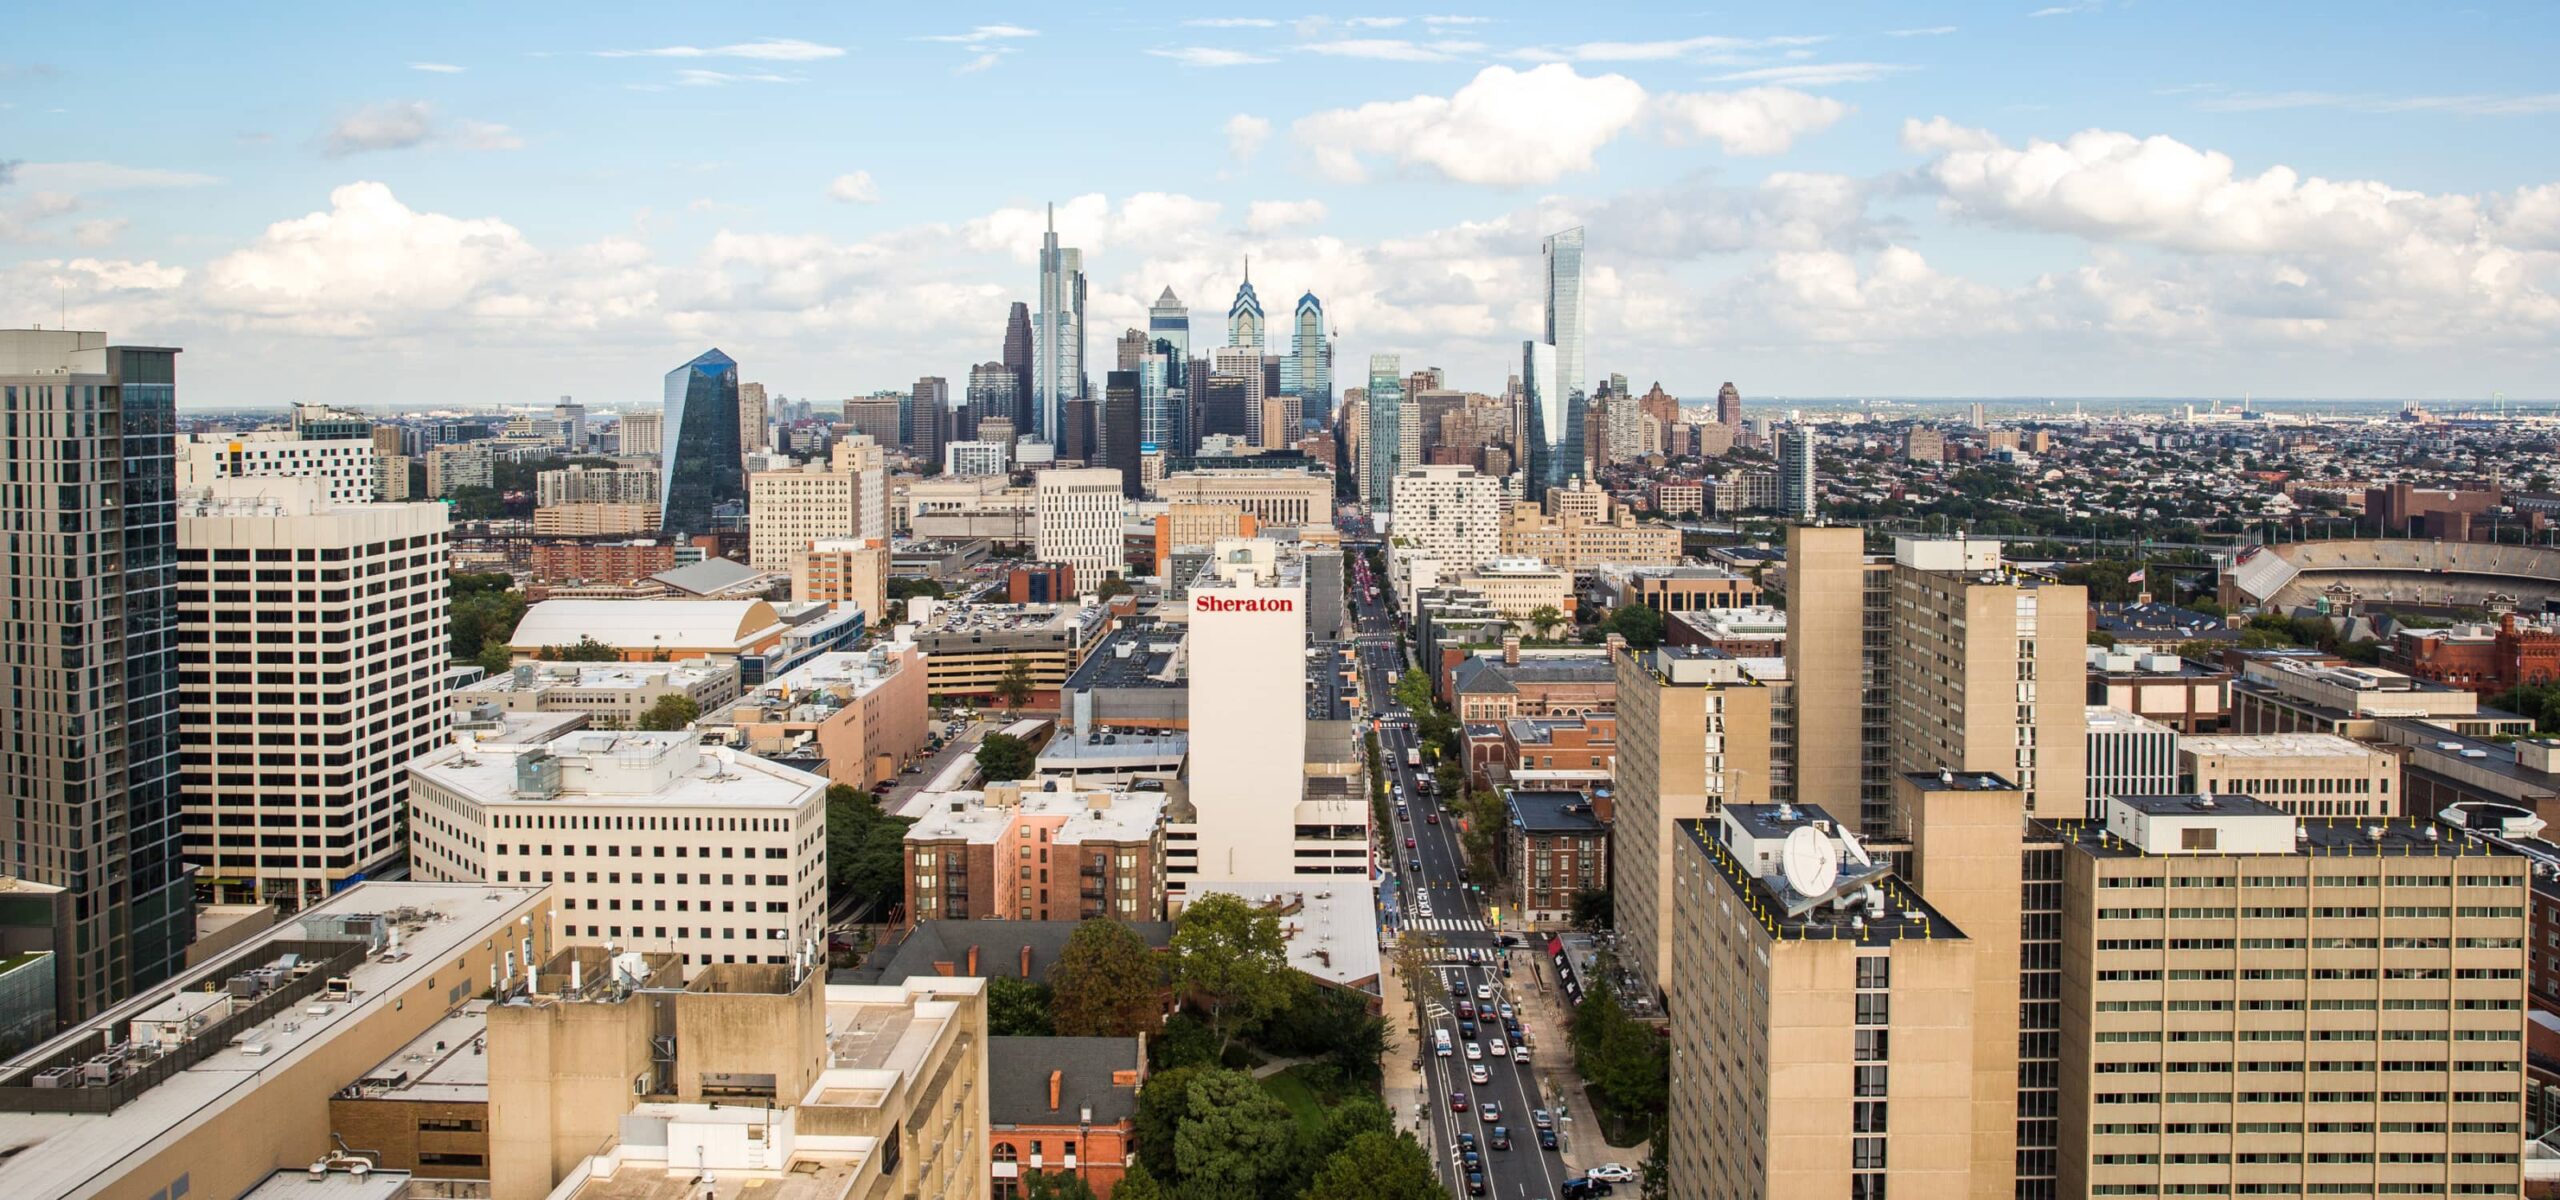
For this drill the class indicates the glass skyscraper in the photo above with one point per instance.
(1386, 427)
(1564, 310)
(1552, 418)
(1164, 377)
(1795, 474)
(1307, 372)
(1244, 317)
(1058, 335)
(1169, 331)
(701, 467)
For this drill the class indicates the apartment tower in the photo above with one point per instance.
(1693, 735)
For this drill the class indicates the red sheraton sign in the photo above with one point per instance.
(1220, 604)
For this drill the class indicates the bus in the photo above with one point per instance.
(1413, 757)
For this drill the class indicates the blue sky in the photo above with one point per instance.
(486, 203)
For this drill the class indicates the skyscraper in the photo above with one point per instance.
(1169, 324)
(1795, 474)
(1244, 317)
(1308, 371)
(992, 393)
(88, 796)
(702, 467)
(754, 419)
(1554, 419)
(1245, 364)
(1058, 336)
(1729, 407)
(1017, 358)
(1563, 254)
(1132, 346)
(929, 424)
(1385, 438)
(1119, 429)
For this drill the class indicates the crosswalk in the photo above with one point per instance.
(1449, 925)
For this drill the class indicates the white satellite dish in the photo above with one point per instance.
(1811, 864)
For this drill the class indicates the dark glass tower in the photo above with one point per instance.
(702, 467)
(88, 795)
(1017, 357)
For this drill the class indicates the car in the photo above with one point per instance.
(1546, 1139)
(1611, 1173)
(1408, 843)
(1505, 1010)
(1433, 818)
(1478, 1076)
(1512, 1027)
(1582, 1189)
(1457, 1102)
(1467, 1028)
(1474, 1052)
(1472, 1159)
(1484, 991)
(1506, 939)
(1520, 1056)
(1417, 866)
(1491, 1112)
(1542, 1118)
(1499, 1048)
(1467, 1009)
(1475, 1183)
(1501, 1139)
(1458, 990)
(1466, 1139)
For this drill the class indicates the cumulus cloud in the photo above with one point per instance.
(1510, 128)
(769, 49)
(1210, 56)
(1245, 135)
(437, 68)
(1266, 216)
(404, 124)
(855, 188)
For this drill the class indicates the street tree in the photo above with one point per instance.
(1107, 983)
(1056, 1185)
(1229, 958)
(1376, 1166)
(1235, 1138)
(1014, 689)
(670, 713)
(1018, 1008)
(1002, 757)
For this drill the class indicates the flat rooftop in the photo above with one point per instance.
(1143, 655)
(808, 1179)
(2276, 745)
(633, 770)
(2102, 719)
(2319, 837)
(1959, 781)
(1554, 812)
(1330, 927)
(66, 1154)
(1903, 914)
(979, 820)
(448, 1062)
(548, 676)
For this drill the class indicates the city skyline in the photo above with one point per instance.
(1936, 200)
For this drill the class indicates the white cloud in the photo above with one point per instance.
(99, 232)
(1506, 128)
(1816, 74)
(700, 77)
(405, 124)
(1693, 48)
(855, 188)
(1760, 120)
(1231, 23)
(983, 35)
(1266, 216)
(366, 261)
(1393, 49)
(1245, 135)
(1449, 20)
(1210, 56)
(1374, 22)
(97, 177)
(1927, 31)
(2064, 10)
(980, 63)
(770, 49)
(2483, 105)
(437, 68)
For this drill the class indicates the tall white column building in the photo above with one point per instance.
(1450, 514)
(1078, 516)
(344, 466)
(314, 634)
(649, 841)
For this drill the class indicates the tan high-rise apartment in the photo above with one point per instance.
(1830, 1045)
(1693, 734)
(1987, 672)
(845, 570)
(2256, 1003)
(1574, 543)
(643, 432)
(1839, 654)
(788, 510)
(1968, 855)
(289, 826)
(754, 424)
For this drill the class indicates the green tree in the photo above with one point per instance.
(1114, 585)
(1229, 958)
(1002, 756)
(476, 503)
(1185, 1042)
(1329, 1024)
(484, 611)
(1657, 1171)
(1234, 1140)
(866, 850)
(1162, 1104)
(495, 658)
(1138, 1184)
(1595, 908)
(670, 713)
(1544, 618)
(1374, 1166)
(587, 649)
(1107, 983)
(1639, 624)
(1015, 688)
(1056, 1185)
(1018, 1008)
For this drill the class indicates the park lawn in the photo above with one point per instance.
(1305, 1101)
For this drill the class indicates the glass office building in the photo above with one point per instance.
(1553, 419)
(1563, 253)
(701, 467)
(1307, 372)
(1386, 427)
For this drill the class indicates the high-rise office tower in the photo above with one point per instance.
(1244, 364)
(1163, 408)
(1078, 518)
(1795, 474)
(1554, 420)
(1729, 407)
(1077, 434)
(1244, 317)
(1018, 357)
(1563, 256)
(992, 393)
(1223, 399)
(1384, 440)
(1840, 657)
(929, 429)
(1169, 325)
(1058, 335)
(755, 420)
(290, 826)
(1308, 371)
(1132, 346)
(643, 432)
(1119, 428)
(702, 467)
(88, 792)
(1693, 735)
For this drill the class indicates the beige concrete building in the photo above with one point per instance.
(1831, 1047)
(344, 467)
(1572, 543)
(1839, 656)
(611, 695)
(1449, 514)
(643, 432)
(734, 846)
(790, 510)
(844, 571)
(1080, 515)
(594, 520)
(862, 713)
(224, 1074)
(1199, 526)
(465, 464)
(1581, 499)
(596, 485)
(2274, 695)
(2306, 774)
(1987, 673)
(1515, 587)
(268, 565)
(1278, 497)
(2255, 1003)
(1693, 735)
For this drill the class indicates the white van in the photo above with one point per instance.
(1440, 1042)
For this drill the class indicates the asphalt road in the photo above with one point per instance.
(1433, 901)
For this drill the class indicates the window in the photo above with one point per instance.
(2206, 838)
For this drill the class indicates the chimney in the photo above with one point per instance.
(1026, 969)
(1510, 649)
(973, 961)
(1055, 1078)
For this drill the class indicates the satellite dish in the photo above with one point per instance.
(1811, 864)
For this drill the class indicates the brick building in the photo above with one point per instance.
(1014, 853)
(2483, 659)
(1062, 1105)
(552, 563)
(1554, 848)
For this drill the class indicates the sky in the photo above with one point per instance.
(475, 204)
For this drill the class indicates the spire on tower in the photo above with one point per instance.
(1248, 268)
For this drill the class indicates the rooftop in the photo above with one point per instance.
(1144, 654)
(449, 1061)
(1959, 781)
(1018, 1070)
(2275, 745)
(983, 818)
(1554, 812)
(1866, 904)
(1330, 928)
(619, 770)
(641, 624)
(974, 619)
(586, 676)
(939, 948)
(2105, 720)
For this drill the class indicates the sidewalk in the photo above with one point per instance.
(1544, 1016)
(1401, 1086)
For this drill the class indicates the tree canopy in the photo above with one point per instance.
(1229, 958)
(670, 713)
(1018, 1008)
(866, 850)
(1107, 983)
(1056, 1185)
(1015, 688)
(1235, 1138)
(1639, 624)
(1002, 756)
(587, 649)
(1376, 1166)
